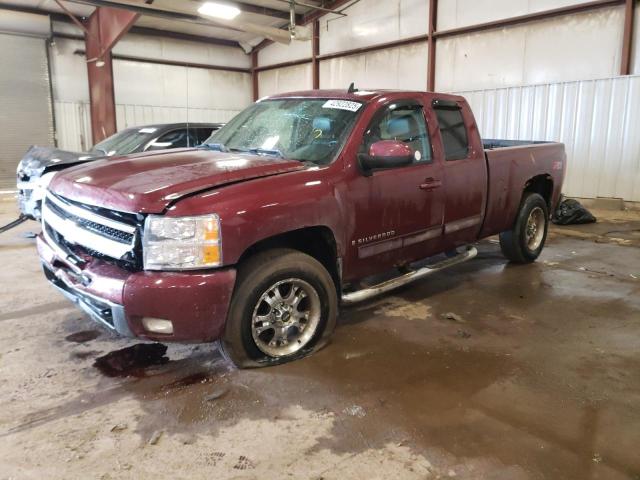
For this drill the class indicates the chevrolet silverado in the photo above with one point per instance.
(256, 237)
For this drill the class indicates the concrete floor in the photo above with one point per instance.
(535, 376)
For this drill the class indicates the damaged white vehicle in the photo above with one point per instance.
(39, 165)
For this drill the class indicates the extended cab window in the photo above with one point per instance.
(452, 130)
(405, 124)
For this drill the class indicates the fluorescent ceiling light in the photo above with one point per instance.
(219, 10)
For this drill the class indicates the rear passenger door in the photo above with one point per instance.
(464, 172)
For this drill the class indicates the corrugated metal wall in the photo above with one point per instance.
(287, 79)
(597, 120)
(576, 47)
(401, 67)
(73, 126)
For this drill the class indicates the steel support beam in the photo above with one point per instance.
(63, 18)
(254, 75)
(71, 16)
(315, 52)
(173, 63)
(105, 27)
(431, 46)
(290, 63)
(627, 37)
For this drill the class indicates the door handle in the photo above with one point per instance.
(430, 184)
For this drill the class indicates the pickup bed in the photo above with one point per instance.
(256, 237)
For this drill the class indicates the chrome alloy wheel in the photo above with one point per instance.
(534, 232)
(286, 317)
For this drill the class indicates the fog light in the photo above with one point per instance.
(157, 325)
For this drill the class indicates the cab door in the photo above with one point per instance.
(464, 171)
(399, 210)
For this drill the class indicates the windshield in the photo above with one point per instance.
(309, 130)
(124, 142)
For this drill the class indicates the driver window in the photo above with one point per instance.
(403, 123)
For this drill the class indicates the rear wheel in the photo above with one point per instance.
(284, 307)
(524, 243)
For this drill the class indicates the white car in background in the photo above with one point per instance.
(40, 164)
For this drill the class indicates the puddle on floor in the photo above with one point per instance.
(132, 361)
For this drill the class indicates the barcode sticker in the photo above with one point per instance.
(342, 105)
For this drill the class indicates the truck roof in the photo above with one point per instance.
(364, 95)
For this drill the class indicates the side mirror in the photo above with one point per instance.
(386, 154)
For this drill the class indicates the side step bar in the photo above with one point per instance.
(352, 298)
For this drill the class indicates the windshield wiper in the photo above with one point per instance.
(260, 151)
(214, 146)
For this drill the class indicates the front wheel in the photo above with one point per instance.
(524, 243)
(284, 307)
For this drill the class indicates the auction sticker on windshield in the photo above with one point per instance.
(342, 105)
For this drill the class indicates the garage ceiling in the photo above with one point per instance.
(261, 13)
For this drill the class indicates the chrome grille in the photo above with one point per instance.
(80, 226)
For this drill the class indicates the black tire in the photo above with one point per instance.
(255, 277)
(514, 243)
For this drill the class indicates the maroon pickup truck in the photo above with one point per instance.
(256, 237)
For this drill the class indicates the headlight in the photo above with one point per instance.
(30, 167)
(181, 243)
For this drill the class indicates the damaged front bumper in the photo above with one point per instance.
(109, 314)
(195, 303)
(72, 282)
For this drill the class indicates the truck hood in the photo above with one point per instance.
(150, 182)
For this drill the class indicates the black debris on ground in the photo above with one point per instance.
(571, 212)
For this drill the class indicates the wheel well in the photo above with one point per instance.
(317, 242)
(541, 184)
